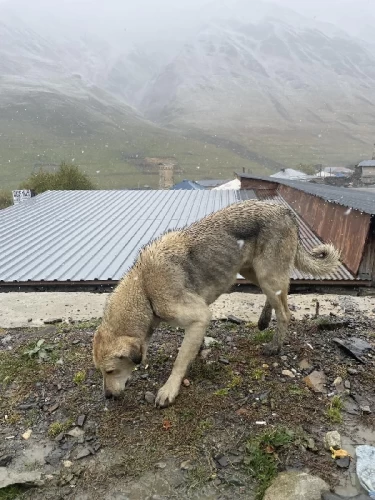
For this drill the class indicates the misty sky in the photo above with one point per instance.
(142, 19)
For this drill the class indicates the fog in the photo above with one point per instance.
(147, 20)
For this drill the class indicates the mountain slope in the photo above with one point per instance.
(273, 85)
(50, 113)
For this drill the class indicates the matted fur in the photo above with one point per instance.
(176, 277)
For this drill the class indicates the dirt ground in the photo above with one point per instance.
(239, 419)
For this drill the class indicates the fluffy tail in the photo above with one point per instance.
(320, 261)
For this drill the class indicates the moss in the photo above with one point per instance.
(263, 337)
(57, 428)
(261, 457)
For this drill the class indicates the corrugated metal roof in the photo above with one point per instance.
(309, 241)
(359, 200)
(94, 235)
(367, 163)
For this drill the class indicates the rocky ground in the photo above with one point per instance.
(239, 420)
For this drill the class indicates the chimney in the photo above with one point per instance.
(166, 176)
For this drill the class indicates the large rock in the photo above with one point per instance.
(332, 440)
(296, 486)
(10, 477)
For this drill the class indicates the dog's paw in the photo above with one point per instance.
(263, 323)
(271, 349)
(166, 395)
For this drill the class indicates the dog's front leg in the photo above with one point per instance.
(194, 334)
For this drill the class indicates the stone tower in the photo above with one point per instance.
(166, 177)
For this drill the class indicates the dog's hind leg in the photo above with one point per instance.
(194, 315)
(276, 290)
(265, 317)
(266, 314)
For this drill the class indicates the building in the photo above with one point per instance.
(345, 217)
(77, 239)
(211, 183)
(366, 172)
(290, 173)
(185, 184)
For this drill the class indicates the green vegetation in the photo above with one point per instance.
(79, 377)
(263, 337)
(261, 456)
(57, 428)
(66, 177)
(334, 410)
(11, 492)
(5, 198)
(39, 350)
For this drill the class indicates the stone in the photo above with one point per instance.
(67, 463)
(343, 463)
(284, 358)
(81, 420)
(26, 435)
(5, 460)
(311, 444)
(327, 495)
(365, 409)
(224, 361)
(52, 321)
(205, 353)
(316, 381)
(54, 457)
(186, 382)
(234, 319)
(347, 384)
(59, 437)
(295, 485)
(222, 461)
(161, 465)
(150, 397)
(339, 385)
(53, 408)
(84, 452)
(288, 373)
(332, 440)
(9, 477)
(76, 432)
(29, 320)
(209, 341)
(186, 465)
(352, 371)
(355, 347)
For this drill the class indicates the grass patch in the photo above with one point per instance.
(261, 459)
(11, 492)
(57, 428)
(295, 390)
(334, 411)
(263, 337)
(258, 374)
(79, 377)
(15, 367)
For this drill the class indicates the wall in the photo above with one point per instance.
(333, 223)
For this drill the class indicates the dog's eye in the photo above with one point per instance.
(109, 372)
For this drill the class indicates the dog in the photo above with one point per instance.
(177, 276)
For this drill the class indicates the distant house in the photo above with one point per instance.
(234, 184)
(366, 170)
(291, 174)
(342, 216)
(185, 184)
(211, 183)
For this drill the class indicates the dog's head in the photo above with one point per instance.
(116, 357)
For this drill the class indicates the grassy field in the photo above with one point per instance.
(44, 129)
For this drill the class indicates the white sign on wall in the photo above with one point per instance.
(20, 195)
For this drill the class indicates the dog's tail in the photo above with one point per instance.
(320, 261)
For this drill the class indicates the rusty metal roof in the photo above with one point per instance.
(358, 200)
(309, 241)
(94, 235)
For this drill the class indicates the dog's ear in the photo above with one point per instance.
(134, 355)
